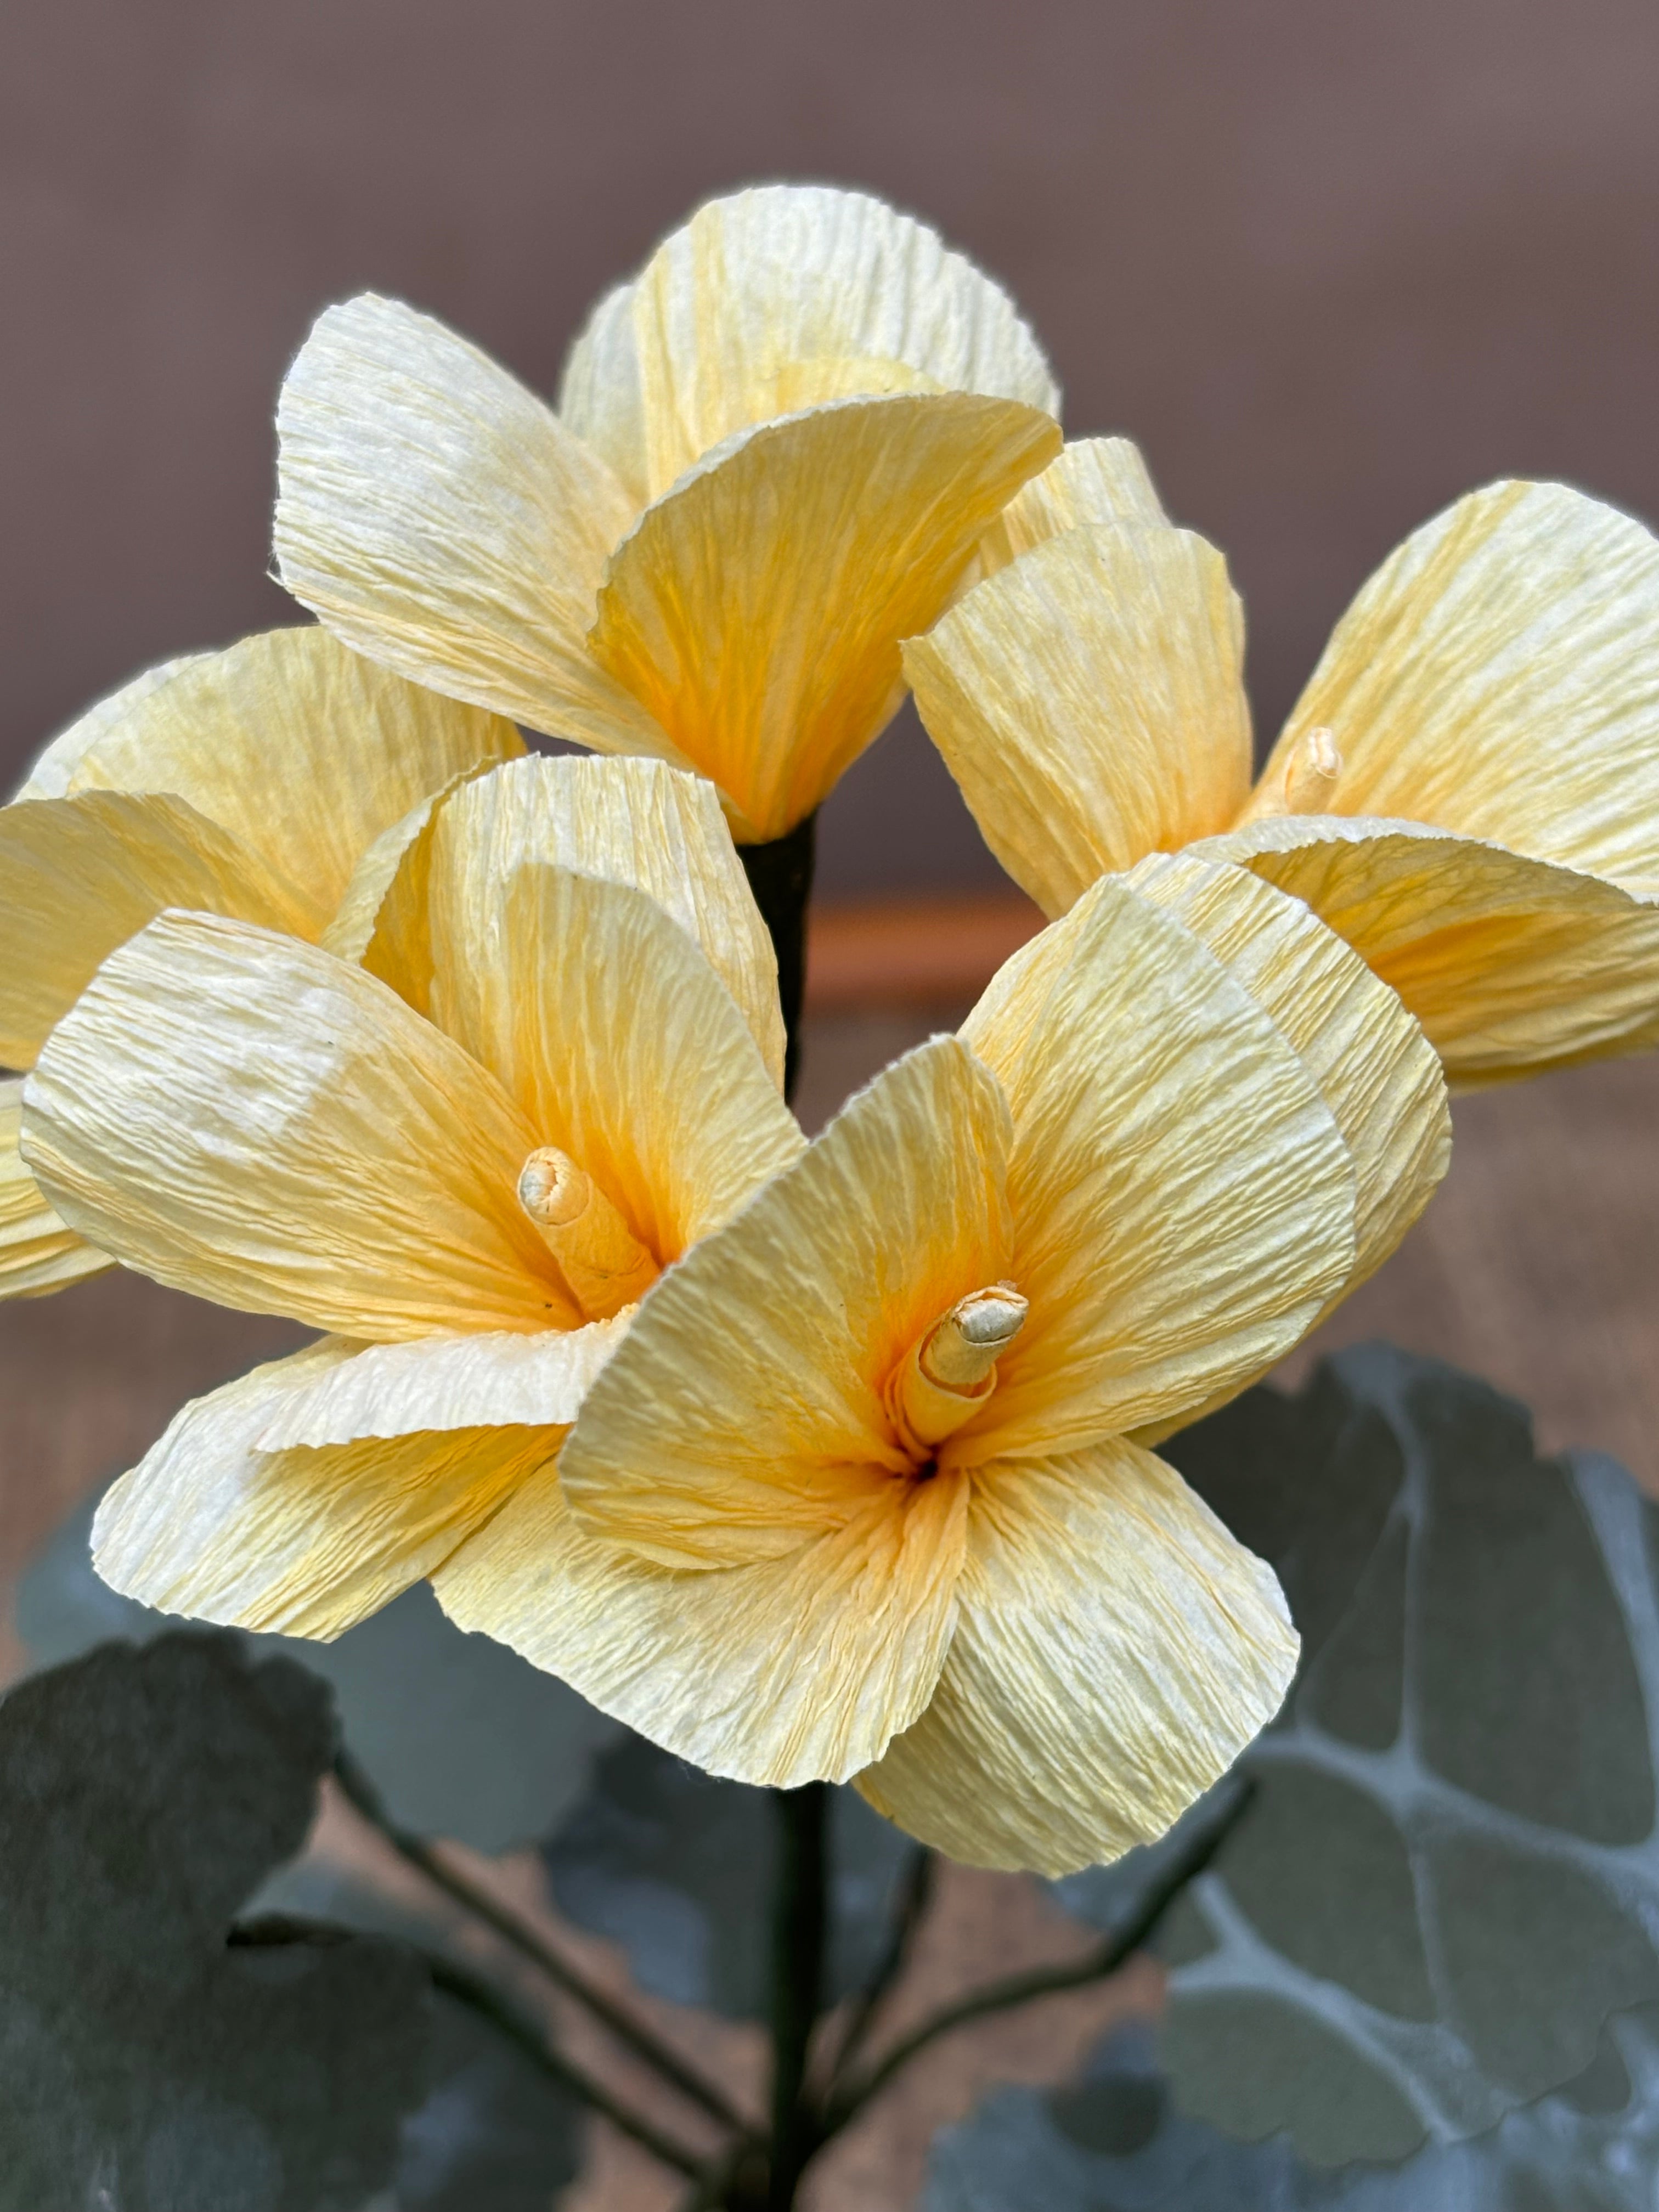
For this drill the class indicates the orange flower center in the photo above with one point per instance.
(603, 1264)
(950, 1370)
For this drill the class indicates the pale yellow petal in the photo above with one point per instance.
(1115, 1650)
(633, 822)
(1511, 964)
(305, 751)
(732, 314)
(789, 1670)
(48, 772)
(601, 399)
(441, 519)
(300, 1542)
(1183, 1201)
(1499, 677)
(1089, 700)
(82, 874)
(39, 1252)
(1094, 480)
(248, 1118)
(755, 610)
(772, 1341)
(357, 922)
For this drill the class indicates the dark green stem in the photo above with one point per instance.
(780, 877)
(914, 1898)
(799, 1931)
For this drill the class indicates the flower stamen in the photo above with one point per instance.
(600, 1258)
(950, 1370)
(1311, 773)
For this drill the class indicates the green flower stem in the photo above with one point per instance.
(780, 877)
(419, 1853)
(914, 1898)
(799, 1930)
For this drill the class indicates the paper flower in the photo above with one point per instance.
(1467, 790)
(774, 452)
(468, 1197)
(861, 1493)
(246, 782)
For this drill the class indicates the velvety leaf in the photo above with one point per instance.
(461, 1736)
(148, 2059)
(677, 1866)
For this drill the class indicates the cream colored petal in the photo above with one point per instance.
(601, 399)
(300, 1542)
(632, 822)
(619, 1042)
(249, 1118)
(1116, 1650)
(1093, 481)
(742, 1414)
(356, 930)
(37, 1251)
(442, 520)
(1499, 677)
(732, 312)
(303, 751)
(1511, 965)
(48, 772)
(793, 1669)
(756, 610)
(82, 874)
(1183, 1201)
(1089, 700)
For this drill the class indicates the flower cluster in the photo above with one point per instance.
(810, 1460)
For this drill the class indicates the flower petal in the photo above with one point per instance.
(1499, 677)
(48, 772)
(755, 610)
(82, 874)
(1511, 965)
(39, 1252)
(1093, 481)
(735, 311)
(743, 1412)
(1115, 1650)
(1183, 1199)
(442, 520)
(245, 1116)
(300, 1542)
(600, 397)
(1089, 698)
(788, 1670)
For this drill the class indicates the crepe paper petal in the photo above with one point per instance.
(772, 1342)
(48, 772)
(250, 1118)
(1183, 1201)
(633, 822)
(438, 1382)
(1511, 964)
(736, 311)
(1115, 1650)
(601, 399)
(300, 1542)
(1499, 677)
(303, 751)
(84, 874)
(1093, 481)
(441, 519)
(37, 1251)
(755, 610)
(788, 1670)
(353, 933)
(1089, 698)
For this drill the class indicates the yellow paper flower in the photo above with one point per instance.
(468, 1197)
(246, 782)
(774, 452)
(1467, 790)
(862, 1492)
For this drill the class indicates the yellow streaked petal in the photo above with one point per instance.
(755, 610)
(48, 772)
(600, 397)
(1183, 1201)
(1089, 700)
(357, 926)
(1499, 677)
(1511, 964)
(82, 874)
(1115, 1650)
(633, 822)
(772, 1342)
(1093, 481)
(735, 311)
(39, 1252)
(788, 1670)
(248, 1118)
(441, 519)
(299, 1542)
